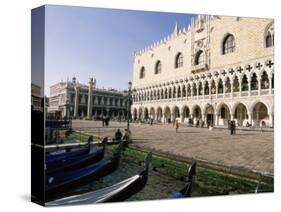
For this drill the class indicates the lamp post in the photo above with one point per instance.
(128, 104)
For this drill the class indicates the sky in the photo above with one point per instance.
(99, 43)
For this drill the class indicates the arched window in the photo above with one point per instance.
(158, 67)
(199, 58)
(269, 36)
(264, 80)
(268, 40)
(179, 60)
(220, 86)
(254, 82)
(228, 44)
(245, 86)
(142, 73)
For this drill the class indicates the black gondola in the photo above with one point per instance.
(59, 183)
(117, 192)
(187, 189)
(76, 162)
(54, 157)
(56, 123)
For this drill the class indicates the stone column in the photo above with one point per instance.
(204, 118)
(259, 85)
(197, 90)
(271, 120)
(203, 89)
(231, 116)
(240, 87)
(182, 117)
(216, 119)
(163, 117)
(231, 88)
(250, 117)
(249, 86)
(270, 83)
(90, 99)
(223, 87)
(76, 101)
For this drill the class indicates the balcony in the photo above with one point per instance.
(227, 95)
(235, 94)
(199, 68)
(220, 96)
(245, 93)
(264, 92)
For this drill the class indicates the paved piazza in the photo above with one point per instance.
(248, 149)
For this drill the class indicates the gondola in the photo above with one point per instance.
(75, 162)
(54, 157)
(56, 123)
(59, 183)
(117, 192)
(187, 189)
(58, 156)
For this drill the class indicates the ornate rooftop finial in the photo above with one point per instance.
(176, 30)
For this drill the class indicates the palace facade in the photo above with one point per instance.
(71, 99)
(220, 68)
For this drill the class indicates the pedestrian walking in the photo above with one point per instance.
(177, 125)
(231, 127)
(151, 121)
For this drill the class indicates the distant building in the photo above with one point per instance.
(71, 99)
(36, 98)
(219, 68)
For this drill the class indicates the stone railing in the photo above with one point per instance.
(263, 92)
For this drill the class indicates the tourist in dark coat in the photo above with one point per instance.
(118, 135)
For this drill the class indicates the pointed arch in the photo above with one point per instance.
(269, 35)
(199, 58)
(142, 73)
(178, 60)
(228, 44)
(158, 67)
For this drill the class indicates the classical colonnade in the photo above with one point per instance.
(244, 93)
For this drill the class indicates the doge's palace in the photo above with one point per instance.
(218, 68)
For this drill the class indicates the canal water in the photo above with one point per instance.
(158, 186)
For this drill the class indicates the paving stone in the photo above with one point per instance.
(252, 150)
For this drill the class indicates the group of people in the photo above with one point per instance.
(126, 136)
